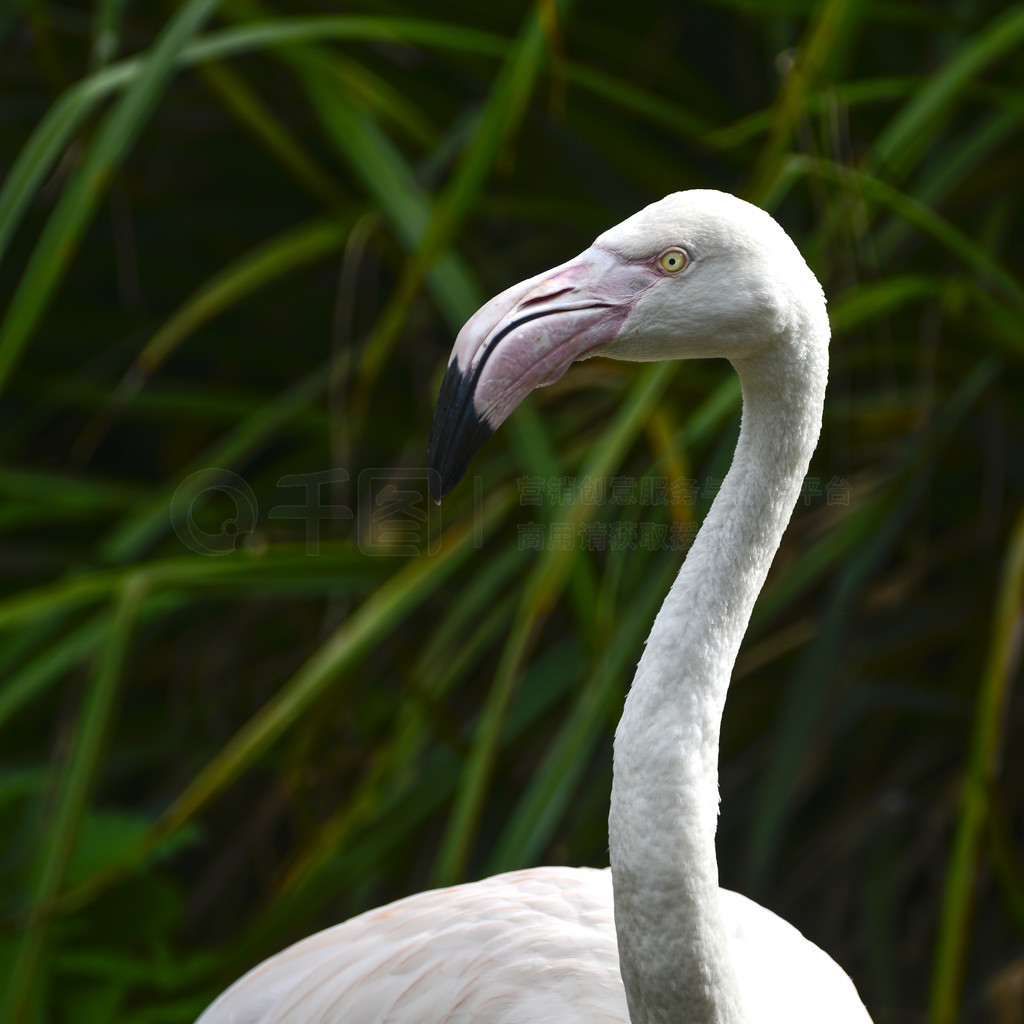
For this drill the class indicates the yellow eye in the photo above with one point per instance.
(672, 261)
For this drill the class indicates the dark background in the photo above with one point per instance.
(240, 247)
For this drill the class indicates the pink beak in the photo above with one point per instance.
(525, 338)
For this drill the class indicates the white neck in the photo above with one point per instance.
(674, 956)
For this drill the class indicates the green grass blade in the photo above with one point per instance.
(290, 32)
(851, 94)
(152, 519)
(404, 808)
(21, 687)
(385, 104)
(827, 33)
(532, 823)
(106, 32)
(280, 255)
(538, 598)
(805, 695)
(42, 601)
(367, 626)
(973, 256)
(496, 127)
(272, 134)
(459, 643)
(59, 239)
(54, 132)
(1004, 856)
(875, 300)
(283, 569)
(900, 145)
(37, 156)
(981, 773)
(388, 178)
(80, 494)
(427, 229)
(959, 163)
(74, 787)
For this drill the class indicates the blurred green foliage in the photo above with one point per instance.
(236, 243)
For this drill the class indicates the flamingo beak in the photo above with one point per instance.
(526, 338)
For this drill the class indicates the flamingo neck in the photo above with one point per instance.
(674, 954)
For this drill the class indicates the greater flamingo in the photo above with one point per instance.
(654, 940)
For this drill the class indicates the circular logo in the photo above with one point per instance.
(212, 510)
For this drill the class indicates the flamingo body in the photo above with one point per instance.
(526, 947)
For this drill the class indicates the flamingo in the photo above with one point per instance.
(653, 939)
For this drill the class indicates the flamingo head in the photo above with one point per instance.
(698, 274)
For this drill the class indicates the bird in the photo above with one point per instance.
(652, 939)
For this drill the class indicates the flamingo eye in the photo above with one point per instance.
(672, 261)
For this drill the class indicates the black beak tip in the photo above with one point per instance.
(456, 434)
(434, 484)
